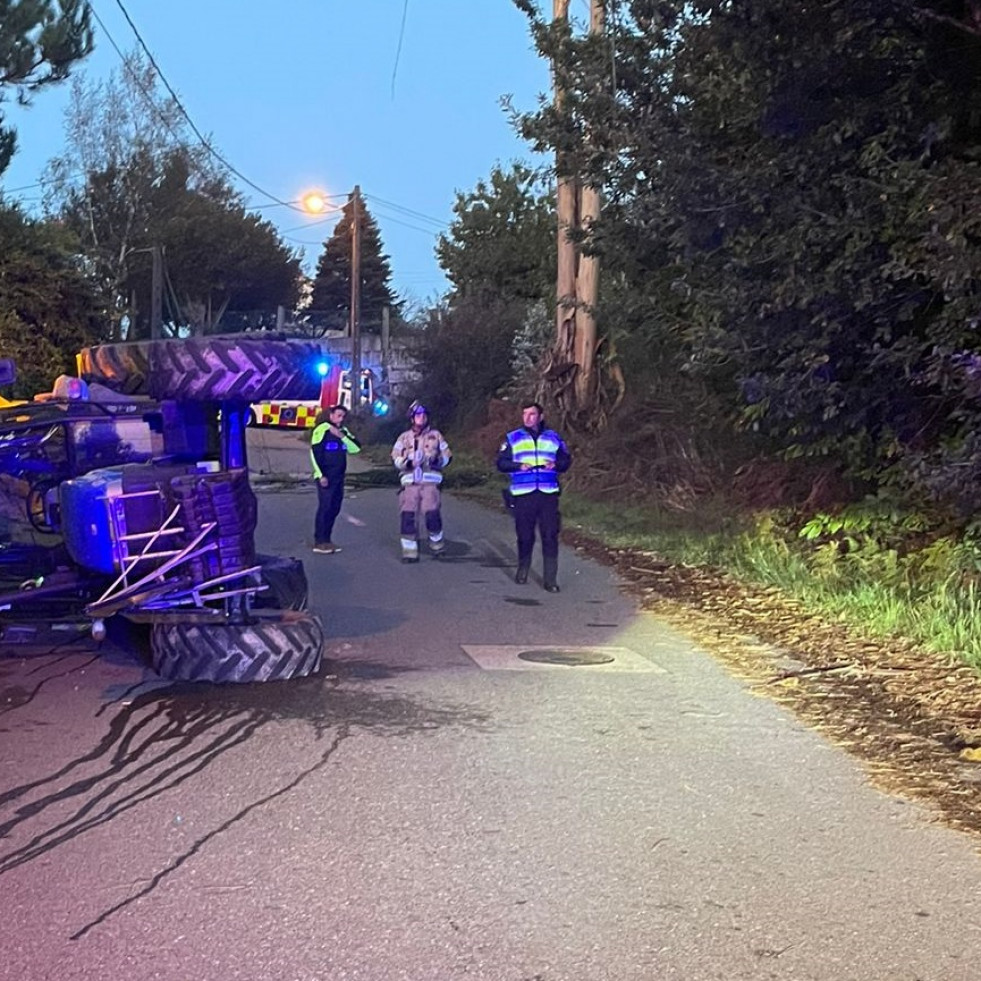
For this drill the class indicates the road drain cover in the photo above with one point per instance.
(565, 655)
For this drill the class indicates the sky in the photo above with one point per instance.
(399, 97)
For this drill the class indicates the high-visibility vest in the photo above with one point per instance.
(525, 449)
(346, 444)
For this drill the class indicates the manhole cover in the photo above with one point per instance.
(567, 656)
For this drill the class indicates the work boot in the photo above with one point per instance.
(521, 576)
(550, 568)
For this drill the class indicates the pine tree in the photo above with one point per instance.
(330, 303)
(40, 40)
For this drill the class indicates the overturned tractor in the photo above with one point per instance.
(160, 530)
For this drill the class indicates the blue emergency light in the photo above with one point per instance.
(322, 368)
(380, 407)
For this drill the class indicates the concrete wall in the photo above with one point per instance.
(397, 365)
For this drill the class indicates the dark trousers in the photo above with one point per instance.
(536, 510)
(328, 507)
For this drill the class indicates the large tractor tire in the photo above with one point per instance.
(287, 582)
(275, 646)
(235, 368)
(123, 367)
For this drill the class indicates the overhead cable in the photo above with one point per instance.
(190, 122)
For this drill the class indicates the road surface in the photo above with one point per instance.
(443, 805)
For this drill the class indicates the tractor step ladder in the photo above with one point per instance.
(132, 549)
(123, 590)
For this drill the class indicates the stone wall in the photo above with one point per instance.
(397, 365)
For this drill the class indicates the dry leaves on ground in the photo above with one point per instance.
(913, 717)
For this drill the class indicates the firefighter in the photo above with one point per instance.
(534, 456)
(330, 444)
(420, 454)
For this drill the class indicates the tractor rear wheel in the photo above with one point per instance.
(232, 368)
(122, 367)
(274, 645)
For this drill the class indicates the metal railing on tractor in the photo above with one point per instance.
(150, 596)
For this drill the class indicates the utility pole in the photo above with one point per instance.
(355, 330)
(156, 293)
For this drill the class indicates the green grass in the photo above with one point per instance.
(924, 596)
(873, 593)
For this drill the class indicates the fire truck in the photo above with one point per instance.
(335, 389)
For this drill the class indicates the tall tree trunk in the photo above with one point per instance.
(566, 201)
(572, 371)
(587, 278)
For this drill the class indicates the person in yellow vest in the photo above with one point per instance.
(419, 455)
(330, 443)
(534, 456)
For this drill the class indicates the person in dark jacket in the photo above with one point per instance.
(330, 444)
(534, 456)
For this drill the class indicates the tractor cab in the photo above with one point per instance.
(43, 444)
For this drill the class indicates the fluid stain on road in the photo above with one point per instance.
(154, 741)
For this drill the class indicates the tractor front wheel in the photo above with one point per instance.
(274, 645)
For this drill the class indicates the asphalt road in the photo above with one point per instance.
(437, 807)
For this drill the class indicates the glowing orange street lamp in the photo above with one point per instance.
(315, 202)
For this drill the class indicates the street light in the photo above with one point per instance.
(315, 202)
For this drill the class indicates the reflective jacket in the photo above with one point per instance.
(526, 447)
(419, 457)
(328, 453)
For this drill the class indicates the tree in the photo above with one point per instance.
(792, 195)
(499, 255)
(570, 377)
(49, 306)
(466, 355)
(40, 40)
(147, 187)
(502, 240)
(330, 301)
(225, 267)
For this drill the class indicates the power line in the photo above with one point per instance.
(148, 96)
(398, 221)
(398, 50)
(186, 115)
(407, 211)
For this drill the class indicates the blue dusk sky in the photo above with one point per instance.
(400, 97)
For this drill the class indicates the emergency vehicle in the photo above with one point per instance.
(335, 389)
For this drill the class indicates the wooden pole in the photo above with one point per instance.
(587, 280)
(356, 299)
(156, 292)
